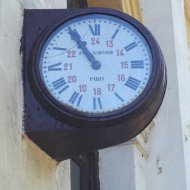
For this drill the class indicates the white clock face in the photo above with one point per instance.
(95, 63)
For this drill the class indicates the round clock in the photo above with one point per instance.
(97, 68)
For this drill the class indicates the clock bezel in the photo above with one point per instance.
(83, 119)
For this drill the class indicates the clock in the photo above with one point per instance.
(91, 75)
(87, 66)
(97, 68)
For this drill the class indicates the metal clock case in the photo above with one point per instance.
(94, 72)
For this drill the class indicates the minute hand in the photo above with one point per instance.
(95, 64)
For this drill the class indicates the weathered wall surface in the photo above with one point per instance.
(183, 71)
(159, 157)
(168, 165)
(22, 165)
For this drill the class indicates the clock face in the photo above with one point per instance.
(95, 63)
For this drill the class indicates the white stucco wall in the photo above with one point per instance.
(183, 71)
(122, 167)
(168, 146)
(115, 162)
(22, 165)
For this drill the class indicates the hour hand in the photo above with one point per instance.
(95, 64)
(74, 35)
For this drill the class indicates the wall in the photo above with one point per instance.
(22, 165)
(182, 61)
(122, 167)
(159, 157)
(168, 144)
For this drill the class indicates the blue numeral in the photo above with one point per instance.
(59, 48)
(132, 83)
(55, 67)
(119, 97)
(130, 46)
(97, 103)
(95, 30)
(137, 64)
(60, 83)
(75, 98)
(115, 33)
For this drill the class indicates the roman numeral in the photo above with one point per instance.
(119, 97)
(130, 46)
(75, 97)
(97, 104)
(137, 64)
(115, 33)
(60, 84)
(132, 83)
(95, 30)
(55, 67)
(59, 48)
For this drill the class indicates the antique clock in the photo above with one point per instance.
(94, 74)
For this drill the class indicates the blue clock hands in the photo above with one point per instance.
(95, 64)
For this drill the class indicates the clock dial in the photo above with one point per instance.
(95, 63)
